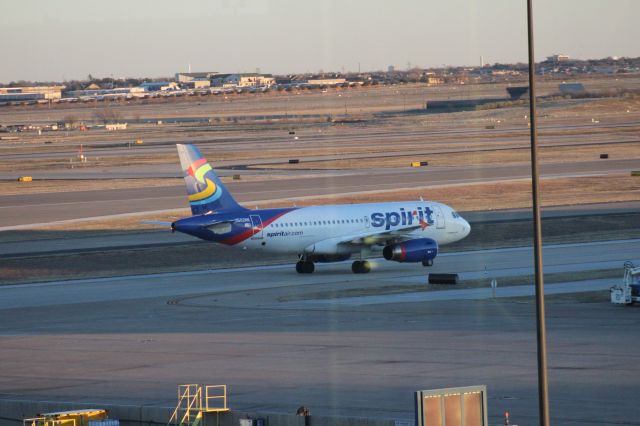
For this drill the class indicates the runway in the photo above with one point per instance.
(18, 210)
(401, 139)
(280, 340)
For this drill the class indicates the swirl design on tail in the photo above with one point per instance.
(208, 190)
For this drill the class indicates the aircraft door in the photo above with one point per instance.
(366, 221)
(440, 220)
(256, 224)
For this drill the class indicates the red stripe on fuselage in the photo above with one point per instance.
(253, 231)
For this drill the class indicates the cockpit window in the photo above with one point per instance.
(454, 214)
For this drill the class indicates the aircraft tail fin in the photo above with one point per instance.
(206, 191)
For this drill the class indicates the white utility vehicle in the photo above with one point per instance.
(628, 292)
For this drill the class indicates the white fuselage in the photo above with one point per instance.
(319, 229)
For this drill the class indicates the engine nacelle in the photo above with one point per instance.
(417, 250)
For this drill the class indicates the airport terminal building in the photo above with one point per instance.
(32, 93)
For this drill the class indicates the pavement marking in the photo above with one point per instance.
(465, 294)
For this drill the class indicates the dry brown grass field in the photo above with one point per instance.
(610, 125)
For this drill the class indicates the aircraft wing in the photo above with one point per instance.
(376, 237)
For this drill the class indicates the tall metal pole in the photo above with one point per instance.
(543, 391)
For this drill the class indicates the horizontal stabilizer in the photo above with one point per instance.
(156, 222)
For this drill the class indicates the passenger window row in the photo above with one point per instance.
(317, 222)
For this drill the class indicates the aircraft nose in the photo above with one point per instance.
(466, 228)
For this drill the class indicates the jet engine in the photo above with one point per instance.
(419, 250)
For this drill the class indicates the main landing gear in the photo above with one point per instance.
(361, 267)
(428, 262)
(305, 267)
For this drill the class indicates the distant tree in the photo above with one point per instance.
(414, 74)
(108, 115)
(74, 85)
(70, 121)
(132, 82)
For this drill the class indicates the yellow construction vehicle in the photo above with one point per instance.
(69, 418)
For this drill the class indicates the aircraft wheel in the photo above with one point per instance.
(428, 262)
(308, 267)
(360, 267)
(305, 267)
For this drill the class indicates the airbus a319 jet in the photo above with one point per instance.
(405, 231)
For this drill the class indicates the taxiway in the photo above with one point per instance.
(280, 340)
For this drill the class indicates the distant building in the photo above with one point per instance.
(123, 91)
(36, 92)
(187, 77)
(505, 72)
(155, 86)
(243, 80)
(249, 80)
(196, 84)
(219, 79)
(557, 58)
(283, 81)
(327, 81)
(22, 97)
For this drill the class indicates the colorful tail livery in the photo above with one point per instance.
(404, 231)
(206, 193)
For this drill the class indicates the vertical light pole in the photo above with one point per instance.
(543, 391)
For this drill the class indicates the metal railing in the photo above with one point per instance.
(221, 395)
(189, 405)
(189, 409)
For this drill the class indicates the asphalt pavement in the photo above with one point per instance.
(280, 340)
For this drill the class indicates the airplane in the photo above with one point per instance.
(406, 231)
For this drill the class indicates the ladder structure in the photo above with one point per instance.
(192, 403)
